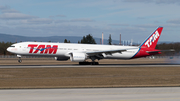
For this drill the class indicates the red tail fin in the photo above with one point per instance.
(152, 40)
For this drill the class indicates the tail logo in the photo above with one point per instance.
(152, 39)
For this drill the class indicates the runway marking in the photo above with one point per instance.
(152, 99)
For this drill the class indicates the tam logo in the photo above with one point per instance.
(152, 39)
(46, 49)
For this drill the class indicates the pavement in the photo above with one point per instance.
(102, 65)
(92, 94)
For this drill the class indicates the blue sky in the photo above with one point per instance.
(134, 19)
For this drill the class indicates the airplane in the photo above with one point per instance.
(81, 52)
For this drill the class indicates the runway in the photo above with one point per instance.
(93, 94)
(102, 65)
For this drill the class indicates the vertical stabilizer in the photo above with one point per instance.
(152, 40)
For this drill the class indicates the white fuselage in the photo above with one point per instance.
(63, 49)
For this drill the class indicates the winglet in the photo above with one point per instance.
(152, 40)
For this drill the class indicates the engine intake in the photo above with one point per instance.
(78, 57)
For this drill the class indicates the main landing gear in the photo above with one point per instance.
(88, 63)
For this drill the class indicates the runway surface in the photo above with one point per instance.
(103, 65)
(93, 94)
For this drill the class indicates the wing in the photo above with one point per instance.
(106, 52)
(109, 52)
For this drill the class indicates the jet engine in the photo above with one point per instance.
(78, 57)
(62, 58)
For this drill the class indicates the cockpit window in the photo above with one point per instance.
(12, 46)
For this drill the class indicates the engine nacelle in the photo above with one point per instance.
(78, 57)
(62, 58)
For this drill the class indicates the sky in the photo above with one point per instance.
(133, 19)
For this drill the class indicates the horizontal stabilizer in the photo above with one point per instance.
(171, 50)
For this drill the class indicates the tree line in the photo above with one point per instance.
(168, 46)
(3, 47)
(88, 39)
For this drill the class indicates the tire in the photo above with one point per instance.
(19, 61)
(88, 63)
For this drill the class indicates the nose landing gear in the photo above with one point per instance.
(19, 56)
(19, 60)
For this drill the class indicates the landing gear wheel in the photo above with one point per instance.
(94, 63)
(84, 63)
(88, 63)
(19, 60)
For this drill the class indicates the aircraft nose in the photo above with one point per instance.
(8, 49)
